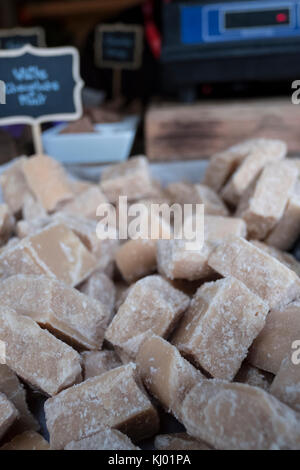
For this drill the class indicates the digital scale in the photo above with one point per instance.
(230, 41)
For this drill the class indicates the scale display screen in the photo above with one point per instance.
(257, 19)
(239, 21)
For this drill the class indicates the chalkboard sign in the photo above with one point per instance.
(119, 46)
(41, 85)
(19, 37)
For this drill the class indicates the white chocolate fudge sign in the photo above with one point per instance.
(15, 38)
(42, 85)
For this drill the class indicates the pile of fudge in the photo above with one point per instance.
(115, 332)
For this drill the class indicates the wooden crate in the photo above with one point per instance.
(180, 131)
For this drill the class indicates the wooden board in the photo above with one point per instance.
(180, 131)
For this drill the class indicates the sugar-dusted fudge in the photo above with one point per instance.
(54, 251)
(275, 341)
(107, 439)
(47, 180)
(178, 441)
(114, 399)
(28, 440)
(15, 392)
(187, 193)
(165, 373)
(263, 151)
(14, 186)
(131, 179)
(175, 262)
(100, 287)
(72, 316)
(285, 258)
(286, 385)
(260, 272)
(220, 325)
(98, 362)
(86, 203)
(222, 165)
(232, 416)
(253, 376)
(287, 231)
(136, 259)
(81, 126)
(8, 414)
(152, 305)
(36, 356)
(265, 205)
(7, 223)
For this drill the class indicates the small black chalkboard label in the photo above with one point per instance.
(41, 85)
(19, 37)
(119, 46)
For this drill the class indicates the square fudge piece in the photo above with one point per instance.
(151, 306)
(222, 322)
(165, 373)
(264, 151)
(260, 272)
(72, 316)
(131, 179)
(286, 385)
(37, 357)
(266, 204)
(114, 399)
(47, 180)
(54, 251)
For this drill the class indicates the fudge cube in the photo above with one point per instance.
(47, 180)
(223, 320)
(114, 399)
(151, 306)
(136, 259)
(239, 417)
(28, 440)
(263, 151)
(54, 251)
(131, 179)
(36, 356)
(165, 373)
(72, 316)
(263, 274)
(265, 205)
(98, 362)
(107, 439)
(285, 258)
(275, 341)
(8, 414)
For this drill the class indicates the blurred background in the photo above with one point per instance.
(212, 72)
